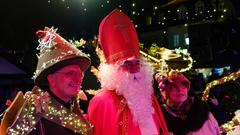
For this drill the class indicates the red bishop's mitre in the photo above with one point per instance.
(118, 37)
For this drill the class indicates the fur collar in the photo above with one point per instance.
(196, 116)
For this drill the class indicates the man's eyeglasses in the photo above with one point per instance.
(71, 73)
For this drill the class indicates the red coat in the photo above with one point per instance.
(110, 116)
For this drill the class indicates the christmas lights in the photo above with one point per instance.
(222, 80)
(232, 125)
(33, 110)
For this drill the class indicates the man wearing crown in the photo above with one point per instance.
(126, 104)
(52, 106)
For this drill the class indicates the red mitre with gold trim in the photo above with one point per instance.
(118, 37)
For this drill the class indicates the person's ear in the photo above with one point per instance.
(83, 74)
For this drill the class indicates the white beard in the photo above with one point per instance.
(136, 88)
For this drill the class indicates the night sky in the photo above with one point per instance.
(74, 19)
(20, 19)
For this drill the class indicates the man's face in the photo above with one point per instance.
(66, 81)
(131, 66)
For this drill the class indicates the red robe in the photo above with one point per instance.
(110, 116)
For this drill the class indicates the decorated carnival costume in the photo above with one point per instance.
(41, 111)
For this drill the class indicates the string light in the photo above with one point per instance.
(198, 15)
(155, 7)
(186, 57)
(93, 92)
(231, 125)
(56, 113)
(222, 80)
(161, 64)
(55, 60)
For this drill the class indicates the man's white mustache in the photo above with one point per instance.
(136, 76)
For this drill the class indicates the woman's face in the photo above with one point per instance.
(177, 94)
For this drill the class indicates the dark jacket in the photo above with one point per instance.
(196, 117)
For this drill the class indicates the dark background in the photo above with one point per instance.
(215, 44)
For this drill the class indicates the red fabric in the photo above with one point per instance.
(118, 37)
(160, 116)
(110, 116)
